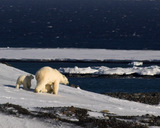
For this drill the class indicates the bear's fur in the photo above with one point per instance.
(48, 80)
(25, 81)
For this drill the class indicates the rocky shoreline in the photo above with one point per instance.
(80, 117)
(133, 75)
(152, 98)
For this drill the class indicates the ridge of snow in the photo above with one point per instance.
(66, 54)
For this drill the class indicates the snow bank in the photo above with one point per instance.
(67, 96)
(8, 121)
(102, 70)
(74, 54)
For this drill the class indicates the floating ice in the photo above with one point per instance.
(102, 70)
(136, 63)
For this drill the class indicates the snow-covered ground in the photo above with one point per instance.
(7, 121)
(62, 54)
(67, 96)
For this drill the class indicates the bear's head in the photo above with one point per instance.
(64, 80)
(31, 76)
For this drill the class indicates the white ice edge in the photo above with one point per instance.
(79, 54)
(102, 70)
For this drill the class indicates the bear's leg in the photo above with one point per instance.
(28, 84)
(25, 86)
(48, 88)
(40, 86)
(55, 87)
(17, 86)
(44, 89)
(18, 83)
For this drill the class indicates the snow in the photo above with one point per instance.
(102, 70)
(136, 63)
(21, 123)
(96, 114)
(69, 96)
(62, 54)
(7, 121)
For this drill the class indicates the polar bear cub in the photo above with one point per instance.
(24, 80)
(48, 80)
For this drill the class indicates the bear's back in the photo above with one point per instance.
(22, 77)
(46, 73)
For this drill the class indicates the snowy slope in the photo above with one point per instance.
(79, 54)
(67, 97)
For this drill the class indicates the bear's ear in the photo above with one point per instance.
(31, 76)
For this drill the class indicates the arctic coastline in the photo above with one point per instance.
(91, 101)
(78, 54)
(133, 58)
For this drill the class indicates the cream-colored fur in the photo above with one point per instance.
(25, 81)
(48, 80)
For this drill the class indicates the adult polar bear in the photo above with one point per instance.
(48, 79)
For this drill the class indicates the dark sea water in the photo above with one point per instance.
(108, 24)
(98, 85)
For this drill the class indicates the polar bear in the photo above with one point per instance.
(25, 80)
(48, 79)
